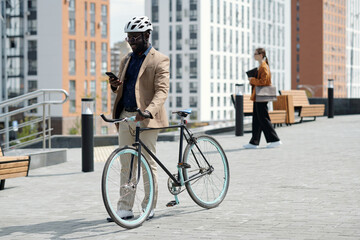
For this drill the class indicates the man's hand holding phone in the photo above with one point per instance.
(113, 79)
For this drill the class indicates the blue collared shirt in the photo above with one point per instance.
(131, 76)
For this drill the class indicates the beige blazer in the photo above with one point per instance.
(151, 89)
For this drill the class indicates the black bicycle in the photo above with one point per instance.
(202, 167)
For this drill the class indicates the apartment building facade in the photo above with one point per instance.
(353, 48)
(271, 29)
(326, 38)
(62, 44)
(210, 45)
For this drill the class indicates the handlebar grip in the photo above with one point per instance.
(146, 115)
(131, 119)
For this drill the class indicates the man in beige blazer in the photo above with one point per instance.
(143, 82)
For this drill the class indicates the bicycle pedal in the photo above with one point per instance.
(184, 165)
(171, 203)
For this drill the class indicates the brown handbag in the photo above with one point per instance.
(265, 94)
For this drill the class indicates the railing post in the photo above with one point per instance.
(49, 124)
(7, 135)
(43, 127)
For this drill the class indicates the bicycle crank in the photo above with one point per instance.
(174, 189)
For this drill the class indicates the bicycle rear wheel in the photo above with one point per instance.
(125, 187)
(207, 178)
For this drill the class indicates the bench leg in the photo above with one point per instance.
(2, 184)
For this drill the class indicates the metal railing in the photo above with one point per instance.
(21, 106)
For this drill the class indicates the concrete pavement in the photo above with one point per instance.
(309, 188)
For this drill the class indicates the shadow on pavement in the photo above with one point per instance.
(59, 229)
(54, 175)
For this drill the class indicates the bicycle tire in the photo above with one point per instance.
(113, 191)
(210, 189)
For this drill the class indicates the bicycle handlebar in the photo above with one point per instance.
(127, 119)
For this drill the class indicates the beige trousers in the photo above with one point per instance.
(127, 137)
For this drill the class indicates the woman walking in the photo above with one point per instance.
(261, 120)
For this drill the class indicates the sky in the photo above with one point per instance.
(121, 11)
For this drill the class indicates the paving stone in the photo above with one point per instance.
(306, 189)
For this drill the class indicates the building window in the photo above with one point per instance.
(104, 65)
(193, 36)
(72, 96)
(225, 15)
(218, 39)
(178, 66)
(218, 11)
(211, 66)
(92, 59)
(225, 71)
(93, 91)
(212, 11)
(193, 87)
(86, 88)
(170, 37)
(92, 19)
(170, 102)
(104, 96)
(32, 86)
(193, 65)
(155, 37)
(224, 40)
(32, 57)
(71, 5)
(178, 10)
(170, 10)
(72, 26)
(178, 87)
(155, 11)
(72, 57)
(104, 29)
(178, 102)
(178, 37)
(193, 101)
(193, 10)
(170, 69)
(212, 38)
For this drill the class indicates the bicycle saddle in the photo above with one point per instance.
(183, 113)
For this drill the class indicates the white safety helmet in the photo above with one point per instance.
(138, 24)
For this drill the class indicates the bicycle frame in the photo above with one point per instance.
(180, 181)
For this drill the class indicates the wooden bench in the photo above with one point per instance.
(301, 103)
(277, 116)
(285, 102)
(13, 166)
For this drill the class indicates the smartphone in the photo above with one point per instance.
(110, 74)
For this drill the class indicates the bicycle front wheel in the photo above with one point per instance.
(207, 176)
(127, 187)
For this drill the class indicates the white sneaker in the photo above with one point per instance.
(124, 214)
(250, 146)
(274, 144)
(151, 215)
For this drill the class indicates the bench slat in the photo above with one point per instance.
(300, 100)
(13, 175)
(277, 116)
(12, 165)
(13, 170)
(13, 158)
